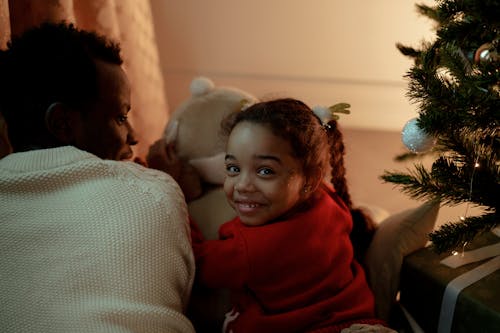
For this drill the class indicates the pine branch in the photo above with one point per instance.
(406, 156)
(465, 183)
(428, 11)
(454, 234)
(417, 183)
(408, 51)
(487, 10)
(450, 181)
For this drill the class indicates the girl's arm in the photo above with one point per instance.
(222, 263)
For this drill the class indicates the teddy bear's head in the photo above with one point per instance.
(195, 123)
(194, 127)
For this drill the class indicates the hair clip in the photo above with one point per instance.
(245, 104)
(327, 114)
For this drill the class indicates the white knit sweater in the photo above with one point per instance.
(88, 245)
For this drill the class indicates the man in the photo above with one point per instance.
(87, 243)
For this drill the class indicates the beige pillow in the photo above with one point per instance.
(397, 236)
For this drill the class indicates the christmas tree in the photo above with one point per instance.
(455, 82)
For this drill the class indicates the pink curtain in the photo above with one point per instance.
(129, 22)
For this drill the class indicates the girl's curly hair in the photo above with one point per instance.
(319, 148)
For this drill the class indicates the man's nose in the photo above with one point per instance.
(131, 136)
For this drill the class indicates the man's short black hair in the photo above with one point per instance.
(53, 62)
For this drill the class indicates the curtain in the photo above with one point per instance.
(128, 22)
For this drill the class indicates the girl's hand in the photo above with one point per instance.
(365, 328)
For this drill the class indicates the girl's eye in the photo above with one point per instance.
(232, 169)
(265, 172)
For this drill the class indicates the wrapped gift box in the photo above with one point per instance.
(423, 282)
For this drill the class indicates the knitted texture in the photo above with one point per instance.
(88, 245)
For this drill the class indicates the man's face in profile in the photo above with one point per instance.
(104, 129)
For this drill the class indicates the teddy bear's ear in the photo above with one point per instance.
(171, 131)
(201, 85)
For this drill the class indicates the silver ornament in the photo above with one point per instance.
(415, 139)
(485, 53)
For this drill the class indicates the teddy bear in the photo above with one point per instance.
(193, 132)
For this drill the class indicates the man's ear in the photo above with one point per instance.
(59, 120)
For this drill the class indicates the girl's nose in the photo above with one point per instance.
(244, 183)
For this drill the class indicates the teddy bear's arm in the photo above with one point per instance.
(162, 156)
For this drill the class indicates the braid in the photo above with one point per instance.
(337, 152)
(363, 226)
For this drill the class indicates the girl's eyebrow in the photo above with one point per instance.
(269, 157)
(260, 157)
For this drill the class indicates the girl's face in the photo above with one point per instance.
(263, 179)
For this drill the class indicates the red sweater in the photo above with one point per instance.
(293, 275)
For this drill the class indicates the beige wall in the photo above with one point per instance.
(320, 51)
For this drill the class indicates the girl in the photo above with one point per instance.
(287, 257)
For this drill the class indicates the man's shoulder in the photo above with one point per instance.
(135, 169)
(144, 180)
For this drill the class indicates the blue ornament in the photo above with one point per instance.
(415, 138)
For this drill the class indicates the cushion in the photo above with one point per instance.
(397, 236)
